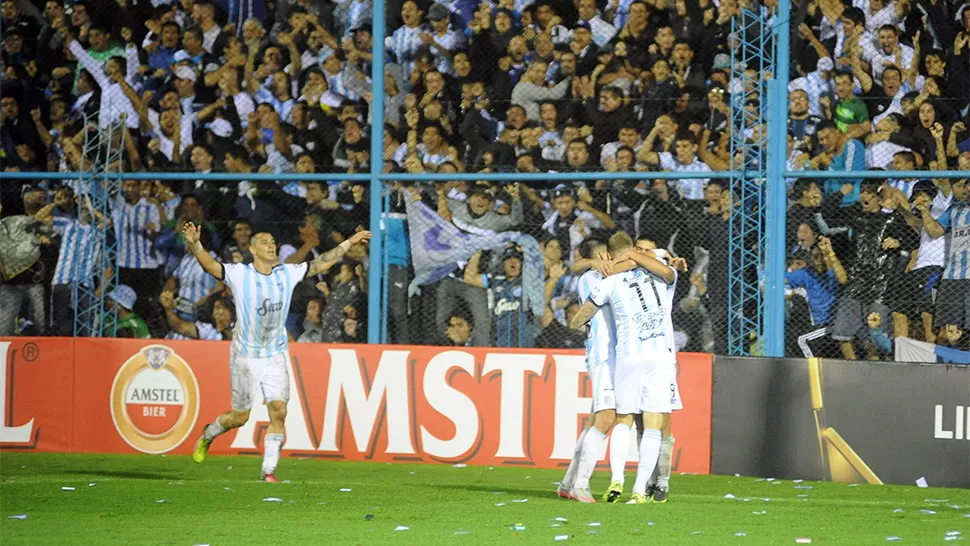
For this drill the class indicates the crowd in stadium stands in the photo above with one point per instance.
(283, 86)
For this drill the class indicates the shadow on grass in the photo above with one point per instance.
(510, 492)
(127, 474)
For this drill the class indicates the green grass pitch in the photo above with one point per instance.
(159, 500)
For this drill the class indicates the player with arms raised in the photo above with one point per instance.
(259, 354)
(641, 382)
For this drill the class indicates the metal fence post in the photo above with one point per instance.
(777, 195)
(375, 278)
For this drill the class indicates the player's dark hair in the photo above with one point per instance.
(588, 247)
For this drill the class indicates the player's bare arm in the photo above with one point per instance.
(649, 263)
(585, 313)
(191, 232)
(328, 259)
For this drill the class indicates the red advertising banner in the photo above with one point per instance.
(354, 402)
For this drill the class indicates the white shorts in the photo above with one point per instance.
(643, 384)
(675, 402)
(601, 376)
(250, 377)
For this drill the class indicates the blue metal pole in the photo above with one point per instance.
(774, 324)
(375, 269)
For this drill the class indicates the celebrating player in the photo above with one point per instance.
(259, 354)
(641, 378)
(659, 483)
(600, 346)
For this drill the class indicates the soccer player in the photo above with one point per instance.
(259, 355)
(600, 346)
(659, 483)
(641, 382)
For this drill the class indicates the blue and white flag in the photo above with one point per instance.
(437, 246)
(911, 350)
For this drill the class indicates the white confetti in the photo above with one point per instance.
(560, 538)
(498, 492)
(949, 539)
(803, 541)
(92, 484)
(287, 481)
(226, 488)
(555, 525)
(761, 513)
(736, 475)
(953, 533)
(729, 496)
(520, 500)
(272, 499)
(463, 532)
(802, 495)
(67, 488)
(775, 483)
(564, 520)
(460, 465)
(402, 528)
(201, 545)
(697, 532)
(160, 501)
(922, 482)
(769, 479)
(500, 504)
(229, 467)
(803, 487)
(412, 472)
(740, 534)
(345, 490)
(928, 512)
(766, 499)
(650, 524)
(898, 511)
(853, 485)
(18, 516)
(797, 481)
(936, 500)
(893, 539)
(593, 524)
(954, 506)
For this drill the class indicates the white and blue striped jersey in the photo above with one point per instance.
(79, 253)
(262, 304)
(601, 336)
(283, 107)
(134, 245)
(956, 220)
(638, 312)
(668, 301)
(689, 189)
(207, 332)
(622, 14)
(405, 44)
(194, 283)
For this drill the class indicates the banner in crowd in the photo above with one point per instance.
(911, 350)
(353, 402)
(854, 422)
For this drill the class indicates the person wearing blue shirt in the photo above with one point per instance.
(816, 274)
(840, 153)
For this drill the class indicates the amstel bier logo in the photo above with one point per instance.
(155, 400)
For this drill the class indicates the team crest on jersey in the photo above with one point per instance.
(155, 400)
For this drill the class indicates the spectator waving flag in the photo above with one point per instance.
(437, 246)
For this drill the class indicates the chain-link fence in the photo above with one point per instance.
(508, 87)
